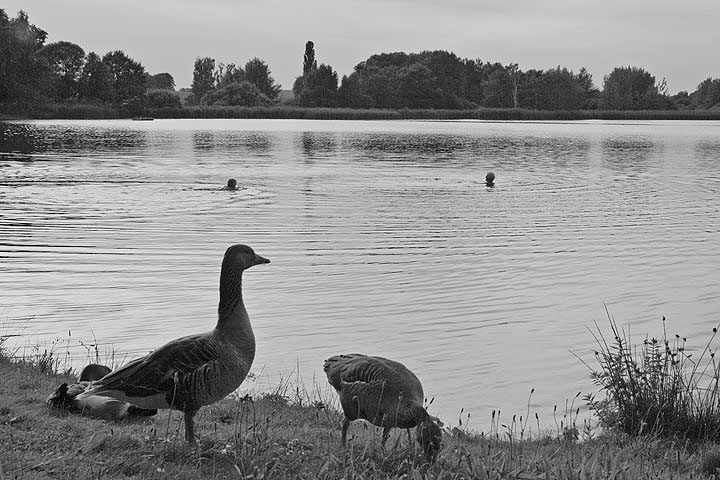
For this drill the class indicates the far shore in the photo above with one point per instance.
(91, 112)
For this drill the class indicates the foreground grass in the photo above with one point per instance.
(274, 436)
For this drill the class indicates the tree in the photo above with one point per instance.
(590, 93)
(707, 94)
(203, 77)
(382, 85)
(129, 78)
(257, 72)
(498, 88)
(242, 94)
(66, 62)
(554, 89)
(682, 100)
(473, 79)
(96, 81)
(350, 95)
(309, 62)
(162, 81)
(23, 74)
(320, 88)
(418, 88)
(448, 71)
(309, 65)
(629, 88)
(163, 98)
(227, 74)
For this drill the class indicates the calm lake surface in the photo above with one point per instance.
(383, 238)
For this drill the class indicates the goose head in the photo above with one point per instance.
(489, 179)
(93, 372)
(241, 257)
(429, 436)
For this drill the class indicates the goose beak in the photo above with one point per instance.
(259, 259)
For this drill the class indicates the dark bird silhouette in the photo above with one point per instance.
(66, 397)
(490, 179)
(385, 393)
(196, 370)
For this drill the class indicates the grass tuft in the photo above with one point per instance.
(661, 387)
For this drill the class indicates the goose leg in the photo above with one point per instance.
(345, 426)
(189, 426)
(385, 434)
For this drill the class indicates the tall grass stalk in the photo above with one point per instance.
(659, 387)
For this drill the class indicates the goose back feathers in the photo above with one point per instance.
(197, 370)
(385, 393)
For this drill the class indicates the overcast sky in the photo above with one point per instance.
(678, 40)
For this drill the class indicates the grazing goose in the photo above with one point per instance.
(385, 393)
(66, 397)
(196, 370)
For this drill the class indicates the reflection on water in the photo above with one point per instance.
(318, 143)
(628, 154)
(58, 138)
(383, 237)
(232, 142)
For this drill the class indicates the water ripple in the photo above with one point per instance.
(383, 239)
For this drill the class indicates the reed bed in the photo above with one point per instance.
(291, 112)
(93, 111)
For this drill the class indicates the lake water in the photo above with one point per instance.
(383, 238)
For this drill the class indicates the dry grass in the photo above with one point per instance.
(293, 432)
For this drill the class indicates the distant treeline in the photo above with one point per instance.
(59, 80)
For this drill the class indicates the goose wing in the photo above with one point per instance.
(153, 380)
(356, 367)
(394, 377)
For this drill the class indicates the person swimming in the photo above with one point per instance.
(490, 179)
(231, 184)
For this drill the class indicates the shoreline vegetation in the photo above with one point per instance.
(60, 80)
(104, 112)
(293, 431)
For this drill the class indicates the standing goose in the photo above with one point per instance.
(66, 397)
(384, 392)
(196, 370)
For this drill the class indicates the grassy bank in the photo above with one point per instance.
(83, 111)
(290, 433)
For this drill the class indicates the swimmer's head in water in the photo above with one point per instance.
(231, 184)
(490, 178)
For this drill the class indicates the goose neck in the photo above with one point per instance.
(231, 299)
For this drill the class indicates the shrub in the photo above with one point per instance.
(163, 98)
(243, 93)
(657, 388)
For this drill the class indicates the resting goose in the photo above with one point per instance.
(66, 397)
(385, 393)
(196, 370)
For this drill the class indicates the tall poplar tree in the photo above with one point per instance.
(309, 62)
(203, 77)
